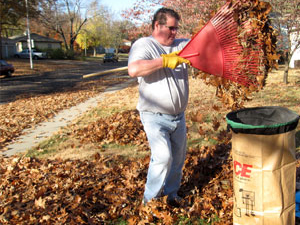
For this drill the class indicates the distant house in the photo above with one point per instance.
(295, 61)
(8, 47)
(38, 41)
(125, 46)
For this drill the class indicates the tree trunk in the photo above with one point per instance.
(71, 46)
(1, 57)
(61, 33)
(286, 72)
(95, 52)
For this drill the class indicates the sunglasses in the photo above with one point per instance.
(172, 28)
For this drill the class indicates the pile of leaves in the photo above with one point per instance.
(121, 128)
(106, 190)
(256, 39)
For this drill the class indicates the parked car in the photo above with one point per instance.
(35, 54)
(110, 57)
(6, 68)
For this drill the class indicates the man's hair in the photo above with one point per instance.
(161, 16)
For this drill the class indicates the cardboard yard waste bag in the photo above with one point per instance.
(264, 176)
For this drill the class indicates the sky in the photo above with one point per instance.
(118, 5)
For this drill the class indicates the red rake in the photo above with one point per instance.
(215, 49)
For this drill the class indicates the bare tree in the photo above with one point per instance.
(286, 16)
(65, 18)
(118, 31)
(12, 14)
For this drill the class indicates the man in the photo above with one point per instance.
(163, 97)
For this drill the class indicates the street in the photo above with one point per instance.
(57, 80)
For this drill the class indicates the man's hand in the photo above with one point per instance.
(172, 60)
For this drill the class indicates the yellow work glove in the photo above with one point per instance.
(172, 60)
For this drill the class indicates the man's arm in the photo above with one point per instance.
(141, 68)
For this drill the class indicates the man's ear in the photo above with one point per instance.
(156, 24)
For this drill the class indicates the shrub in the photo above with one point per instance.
(56, 53)
(70, 54)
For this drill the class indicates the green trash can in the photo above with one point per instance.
(264, 176)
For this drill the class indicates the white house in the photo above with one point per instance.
(294, 38)
(295, 61)
(125, 46)
(39, 42)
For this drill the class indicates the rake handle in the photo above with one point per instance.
(126, 68)
(106, 71)
(190, 55)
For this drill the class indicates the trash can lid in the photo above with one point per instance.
(265, 120)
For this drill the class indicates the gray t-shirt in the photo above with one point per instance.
(165, 90)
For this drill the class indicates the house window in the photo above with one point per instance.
(49, 45)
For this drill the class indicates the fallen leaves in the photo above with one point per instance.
(120, 128)
(197, 117)
(28, 111)
(104, 189)
(40, 203)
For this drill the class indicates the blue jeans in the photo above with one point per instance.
(166, 135)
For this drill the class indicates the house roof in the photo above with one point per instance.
(126, 42)
(35, 37)
(7, 41)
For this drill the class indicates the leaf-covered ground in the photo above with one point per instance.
(27, 111)
(107, 189)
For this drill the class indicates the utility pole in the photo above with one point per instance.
(85, 45)
(28, 34)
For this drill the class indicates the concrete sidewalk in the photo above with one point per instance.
(44, 130)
